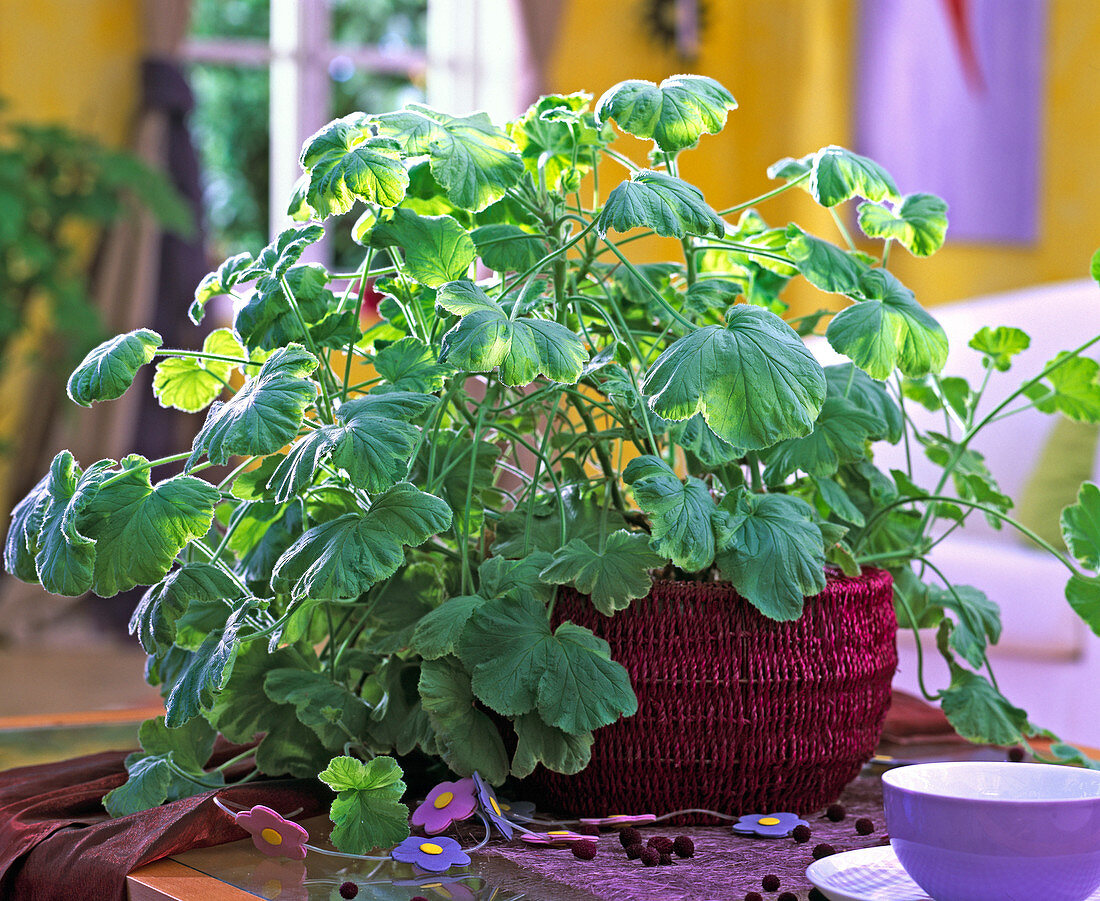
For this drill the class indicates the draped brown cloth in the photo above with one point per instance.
(57, 841)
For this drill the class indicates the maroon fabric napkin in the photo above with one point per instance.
(57, 841)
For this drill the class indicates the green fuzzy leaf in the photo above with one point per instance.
(221, 281)
(437, 248)
(155, 617)
(284, 251)
(266, 412)
(613, 576)
(1094, 266)
(656, 200)
(789, 168)
(888, 330)
(711, 296)
(772, 551)
(65, 561)
(824, 265)
(410, 365)
(839, 502)
(372, 440)
(206, 671)
(367, 812)
(1081, 526)
(919, 223)
(1073, 389)
(837, 174)
(696, 438)
(139, 528)
(192, 383)
(437, 631)
(840, 435)
(519, 665)
(519, 534)
(471, 158)
(999, 345)
(399, 721)
(146, 787)
(267, 321)
(327, 707)
(464, 467)
(979, 712)
(675, 113)
(342, 558)
(468, 738)
(190, 745)
(977, 620)
(557, 138)
(485, 338)
(109, 369)
(499, 576)
(681, 512)
(972, 479)
(1083, 595)
(754, 381)
(845, 380)
(508, 248)
(21, 543)
(558, 751)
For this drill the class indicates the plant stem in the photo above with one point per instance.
(760, 198)
(664, 304)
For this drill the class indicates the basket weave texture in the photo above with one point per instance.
(736, 712)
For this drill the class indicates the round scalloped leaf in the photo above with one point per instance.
(109, 369)
(437, 248)
(837, 175)
(668, 205)
(674, 114)
(193, 383)
(918, 223)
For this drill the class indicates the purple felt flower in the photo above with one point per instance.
(448, 802)
(556, 837)
(435, 855)
(487, 799)
(770, 825)
(620, 820)
(453, 891)
(272, 834)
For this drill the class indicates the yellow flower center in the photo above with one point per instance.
(443, 800)
(431, 848)
(271, 837)
(495, 806)
(768, 821)
(559, 832)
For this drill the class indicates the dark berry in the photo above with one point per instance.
(770, 883)
(754, 896)
(835, 812)
(787, 896)
(418, 898)
(649, 857)
(815, 895)
(665, 859)
(801, 834)
(683, 846)
(1016, 754)
(348, 890)
(584, 850)
(823, 850)
(662, 844)
(635, 851)
(865, 826)
(589, 829)
(630, 836)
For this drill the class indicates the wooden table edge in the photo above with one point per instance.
(169, 880)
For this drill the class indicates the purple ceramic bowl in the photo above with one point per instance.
(974, 831)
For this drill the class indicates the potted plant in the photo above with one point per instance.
(422, 514)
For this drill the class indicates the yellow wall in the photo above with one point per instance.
(791, 65)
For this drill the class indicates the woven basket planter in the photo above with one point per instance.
(736, 713)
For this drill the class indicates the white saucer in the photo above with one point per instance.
(869, 874)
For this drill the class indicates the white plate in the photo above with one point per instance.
(869, 874)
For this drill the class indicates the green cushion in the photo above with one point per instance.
(1065, 461)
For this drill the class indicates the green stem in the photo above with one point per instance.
(203, 355)
(522, 277)
(760, 198)
(900, 596)
(842, 228)
(664, 304)
(150, 464)
(323, 373)
(601, 451)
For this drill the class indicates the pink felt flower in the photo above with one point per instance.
(281, 879)
(620, 820)
(556, 837)
(272, 834)
(448, 802)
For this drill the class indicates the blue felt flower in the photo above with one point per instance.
(487, 799)
(770, 825)
(436, 855)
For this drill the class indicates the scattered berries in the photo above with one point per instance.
(584, 850)
(865, 826)
(754, 896)
(665, 859)
(787, 896)
(823, 850)
(770, 883)
(835, 812)
(630, 836)
(802, 834)
(662, 844)
(683, 846)
(633, 852)
(649, 857)
(1016, 754)
(348, 890)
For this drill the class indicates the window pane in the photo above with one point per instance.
(383, 23)
(230, 19)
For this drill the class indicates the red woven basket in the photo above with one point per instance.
(736, 712)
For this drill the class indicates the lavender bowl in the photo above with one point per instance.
(973, 831)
